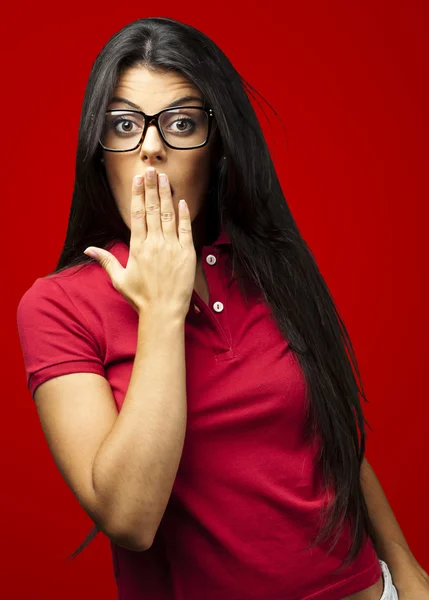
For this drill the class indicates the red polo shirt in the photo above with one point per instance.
(247, 495)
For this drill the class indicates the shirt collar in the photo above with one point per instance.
(222, 239)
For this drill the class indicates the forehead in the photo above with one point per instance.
(152, 90)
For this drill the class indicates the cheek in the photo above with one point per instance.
(197, 179)
(116, 178)
(121, 192)
(120, 183)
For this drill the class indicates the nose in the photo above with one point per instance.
(152, 143)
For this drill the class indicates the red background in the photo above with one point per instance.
(349, 81)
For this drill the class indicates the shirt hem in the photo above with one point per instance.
(360, 581)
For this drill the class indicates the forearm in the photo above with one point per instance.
(135, 467)
(391, 545)
(388, 531)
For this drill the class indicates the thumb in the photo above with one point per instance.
(109, 262)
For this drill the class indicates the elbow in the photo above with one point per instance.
(127, 538)
(130, 534)
(130, 543)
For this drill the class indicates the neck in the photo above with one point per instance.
(202, 234)
(199, 233)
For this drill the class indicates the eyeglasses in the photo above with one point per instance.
(181, 127)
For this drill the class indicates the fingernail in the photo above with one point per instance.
(150, 173)
(90, 252)
(138, 179)
(162, 179)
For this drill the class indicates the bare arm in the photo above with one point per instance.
(391, 545)
(135, 466)
(122, 466)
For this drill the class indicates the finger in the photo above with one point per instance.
(168, 217)
(110, 264)
(185, 226)
(137, 213)
(152, 204)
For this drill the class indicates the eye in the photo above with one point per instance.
(184, 125)
(122, 125)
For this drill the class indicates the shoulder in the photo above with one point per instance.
(82, 286)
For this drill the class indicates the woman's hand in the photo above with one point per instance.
(160, 271)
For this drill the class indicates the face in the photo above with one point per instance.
(188, 171)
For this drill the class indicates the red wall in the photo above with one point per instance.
(349, 81)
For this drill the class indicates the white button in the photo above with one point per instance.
(211, 259)
(218, 306)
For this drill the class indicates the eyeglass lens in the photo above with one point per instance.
(182, 128)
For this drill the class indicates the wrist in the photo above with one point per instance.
(161, 317)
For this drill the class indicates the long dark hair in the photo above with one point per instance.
(267, 249)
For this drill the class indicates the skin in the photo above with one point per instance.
(188, 171)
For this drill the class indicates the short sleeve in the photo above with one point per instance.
(54, 335)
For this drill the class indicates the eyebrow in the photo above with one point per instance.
(176, 102)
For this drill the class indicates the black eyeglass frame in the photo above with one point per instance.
(154, 120)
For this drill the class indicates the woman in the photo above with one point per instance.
(211, 321)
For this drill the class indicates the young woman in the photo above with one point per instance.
(193, 381)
